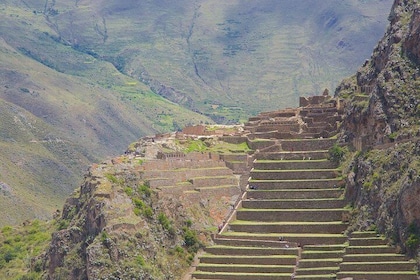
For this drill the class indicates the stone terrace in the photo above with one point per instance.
(291, 221)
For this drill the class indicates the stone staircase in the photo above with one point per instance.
(369, 257)
(294, 200)
(247, 258)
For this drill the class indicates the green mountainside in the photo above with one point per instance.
(82, 79)
(62, 114)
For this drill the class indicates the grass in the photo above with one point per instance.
(290, 161)
(20, 247)
(211, 145)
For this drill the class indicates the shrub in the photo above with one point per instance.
(62, 224)
(137, 211)
(111, 178)
(148, 212)
(336, 153)
(140, 261)
(179, 250)
(144, 189)
(139, 203)
(104, 237)
(191, 240)
(188, 223)
(128, 191)
(166, 223)
(6, 230)
(412, 243)
(393, 136)
(8, 256)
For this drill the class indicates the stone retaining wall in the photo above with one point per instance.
(186, 163)
(307, 145)
(290, 175)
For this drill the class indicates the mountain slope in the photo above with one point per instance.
(54, 124)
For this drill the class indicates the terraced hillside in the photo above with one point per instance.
(291, 222)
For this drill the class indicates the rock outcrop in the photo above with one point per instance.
(382, 112)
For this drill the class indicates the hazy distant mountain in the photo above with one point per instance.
(226, 59)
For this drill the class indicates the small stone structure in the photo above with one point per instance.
(316, 117)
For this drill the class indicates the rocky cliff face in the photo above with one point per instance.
(382, 121)
(118, 225)
(383, 97)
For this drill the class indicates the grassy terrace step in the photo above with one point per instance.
(250, 260)
(378, 266)
(216, 187)
(378, 275)
(252, 242)
(379, 249)
(322, 254)
(241, 276)
(288, 227)
(291, 215)
(299, 238)
(323, 247)
(249, 268)
(257, 174)
(294, 164)
(364, 234)
(374, 258)
(297, 183)
(251, 251)
(294, 194)
(296, 155)
(294, 203)
(370, 241)
(316, 277)
(310, 263)
(317, 270)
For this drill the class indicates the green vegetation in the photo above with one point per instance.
(413, 241)
(166, 223)
(336, 153)
(20, 248)
(138, 195)
(191, 240)
(212, 145)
